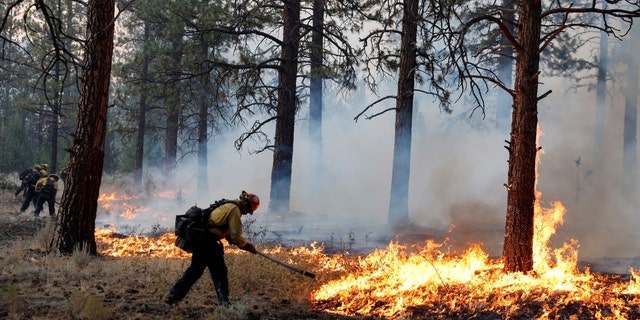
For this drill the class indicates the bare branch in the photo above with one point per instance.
(371, 105)
(255, 130)
(544, 95)
(557, 32)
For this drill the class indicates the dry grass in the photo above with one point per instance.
(38, 284)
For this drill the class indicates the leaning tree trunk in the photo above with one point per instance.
(399, 202)
(518, 242)
(77, 214)
(287, 106)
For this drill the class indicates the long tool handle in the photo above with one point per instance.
(296, 269)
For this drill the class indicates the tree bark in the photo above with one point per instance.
(142, 114)
(77, 214)
(315, 91)
(55, 128)
(399, 203)
(601, 94)
(286, 110)
(518, 243)
(630, 131)
(203, 116)
(173, 106)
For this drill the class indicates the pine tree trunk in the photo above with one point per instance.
(518, 243)
(287, 107)
(142, 114)
(399, 202)
(77, 214)
(315, 94)
(630, 131)
(203, 125)
(601, 96)
(173, 106)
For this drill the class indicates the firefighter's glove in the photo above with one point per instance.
(249, 248)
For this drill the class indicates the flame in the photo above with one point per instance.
(167, 194)
(400, 280)
(389, 282)
(117, 245)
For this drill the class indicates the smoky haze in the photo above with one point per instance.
(458, 172)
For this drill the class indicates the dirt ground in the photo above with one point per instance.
(36, 284)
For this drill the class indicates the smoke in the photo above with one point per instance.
(598, 215)
(458, 171)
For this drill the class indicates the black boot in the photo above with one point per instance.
(222, 290)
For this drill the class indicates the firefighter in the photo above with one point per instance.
(225, 223)
(23, 177)
(32, 195)
(47, 189)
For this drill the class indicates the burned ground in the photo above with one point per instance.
(36, 284)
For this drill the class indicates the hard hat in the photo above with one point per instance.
(253, 200)
(45, 166)
(36, 167)
(55, 176)
(43, 173)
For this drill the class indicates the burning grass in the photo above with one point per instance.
(41, 285)
(401, 281)
(423, 282)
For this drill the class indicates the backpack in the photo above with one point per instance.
(191, 227)
(33, 177)
(49, 189)
(23, 175)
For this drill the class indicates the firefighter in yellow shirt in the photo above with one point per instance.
(47, 188)
(225, 223)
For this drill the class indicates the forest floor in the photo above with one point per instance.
(38, 284)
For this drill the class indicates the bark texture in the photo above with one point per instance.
(399, 202)
(286, 113)
(518, 242)
(77, 215)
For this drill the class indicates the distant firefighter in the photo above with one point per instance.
(47, 188)
(23, 176)
(32, 195)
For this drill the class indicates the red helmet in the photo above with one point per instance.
(253, 200)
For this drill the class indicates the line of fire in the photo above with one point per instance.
(405, 279)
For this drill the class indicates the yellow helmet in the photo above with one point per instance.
(45, 166)
(43, 173)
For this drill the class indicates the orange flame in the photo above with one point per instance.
(391, 282)
(387, 283)
(112, 244)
